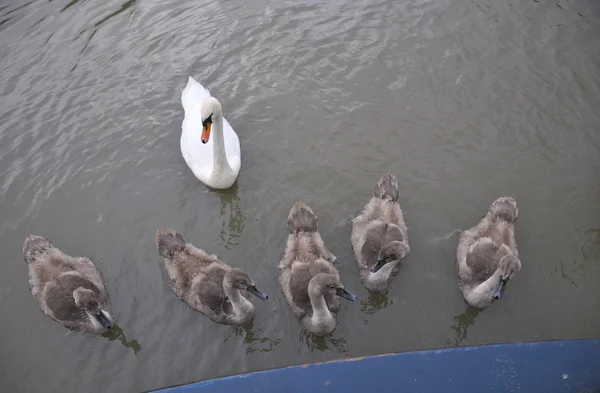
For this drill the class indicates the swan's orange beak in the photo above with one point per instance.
(205, 132)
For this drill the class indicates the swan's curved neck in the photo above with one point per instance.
(240, 304)
(220, 163)
(378, 281)
(482, 294)
(320, 310)
(488, 287)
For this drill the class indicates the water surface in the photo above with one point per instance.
(464, 101)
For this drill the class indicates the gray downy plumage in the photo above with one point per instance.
(205, 283)
(69, 290)
(487, 257)
(379, 236)
(308, 277)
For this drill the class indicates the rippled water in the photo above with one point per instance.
(464, 101)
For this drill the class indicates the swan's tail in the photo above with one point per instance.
(505, 208)
(34, 246)
(169, 242)
(193, 94)
(387, 188)
(301, 219)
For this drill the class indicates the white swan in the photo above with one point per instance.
(209, 145)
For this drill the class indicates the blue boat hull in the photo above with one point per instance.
(546, 366)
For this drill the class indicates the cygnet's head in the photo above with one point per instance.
(238, 279)
(324, 283)
(391, 252)
(86, 300)
(509, 265)
(211, 109)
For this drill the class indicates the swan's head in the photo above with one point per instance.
(211, 109)
(238, 279)
(324, 283)
(86, 300)
(509, 265)
(391, 252)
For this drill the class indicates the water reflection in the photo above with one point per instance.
(69, 5)
(375, 302)
(116, 333)
(232, 215)
(17, 8)
(254, 338)
(569, 272)
(124, 7)
(463, 321)
(323, 343)
(447, 236)
(588, 244)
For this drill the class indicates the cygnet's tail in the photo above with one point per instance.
(301, 219)
(387, 188)
(505, 208)
(35, 246)
(169, 242)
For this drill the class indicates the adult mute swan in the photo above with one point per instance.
(209, 145)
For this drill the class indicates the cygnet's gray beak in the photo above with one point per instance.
(104, 321)
(257, 292)
(500, 289)
(377, 266)
(343, 292)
